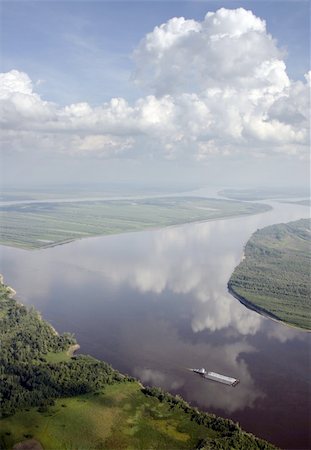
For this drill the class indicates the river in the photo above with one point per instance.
(155, 303)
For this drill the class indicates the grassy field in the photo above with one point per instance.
(53, 357)
(39, 225)
(120, 417)
(91, 190)
(275, 274)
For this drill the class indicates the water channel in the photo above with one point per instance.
(155, 303)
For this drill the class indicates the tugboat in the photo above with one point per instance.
(213, 376)
(199, 371)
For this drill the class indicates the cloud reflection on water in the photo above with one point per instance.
(157, 302)
(194, 260)
(168, 358)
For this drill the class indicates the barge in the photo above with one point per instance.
(213, 376)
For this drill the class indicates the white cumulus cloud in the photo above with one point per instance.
(215, 87)
(228, 48)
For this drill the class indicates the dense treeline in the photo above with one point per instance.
(232, 436)
(26, 377)
(275, 274)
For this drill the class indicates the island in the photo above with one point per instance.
(274, 276)
(53, 398)
(41, 224)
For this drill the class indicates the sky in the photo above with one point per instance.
(163, 92)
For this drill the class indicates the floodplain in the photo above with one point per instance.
(45, 224)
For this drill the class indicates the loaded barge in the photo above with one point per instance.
(216, 377)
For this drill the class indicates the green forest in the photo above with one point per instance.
(274, 276)
(77, 402)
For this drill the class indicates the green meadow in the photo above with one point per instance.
(44, 224)
(119, 417)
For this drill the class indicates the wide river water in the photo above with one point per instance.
(155, 303)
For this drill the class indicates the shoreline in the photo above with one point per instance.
(12, 291)
(152, 228)
(73, 349)
(269, 257)
(262, 311)
(23, 445)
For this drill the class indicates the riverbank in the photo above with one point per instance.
(263, 312)
(83, 402)
(72, 350)
(44, 225)
(10, 291)
(253, 306)
(273, 277)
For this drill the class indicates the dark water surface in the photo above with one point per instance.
(155, 303)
